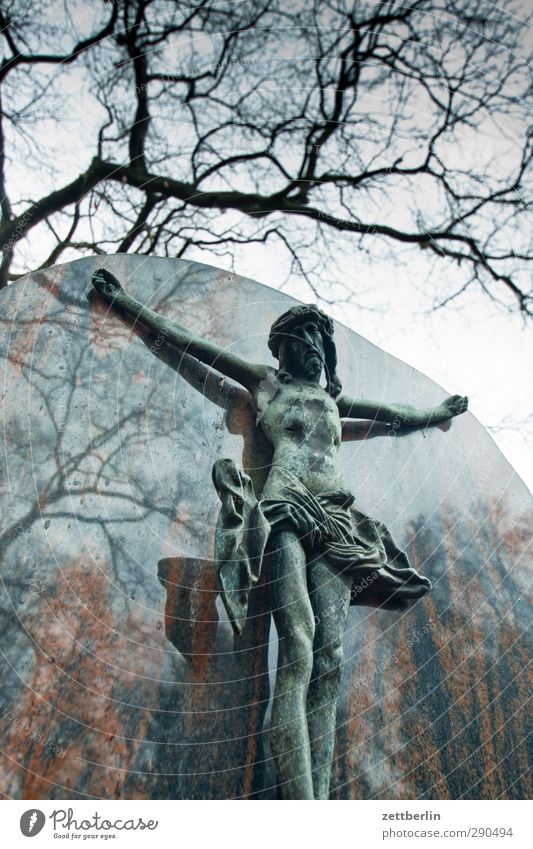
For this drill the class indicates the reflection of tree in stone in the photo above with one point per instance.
(86, 499)
(448, 688)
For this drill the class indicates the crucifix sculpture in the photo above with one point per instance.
(303, 533)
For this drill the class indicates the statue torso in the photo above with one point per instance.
(302, 423)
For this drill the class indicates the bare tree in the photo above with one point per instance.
(161, 127)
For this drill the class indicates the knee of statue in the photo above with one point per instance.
(328, 661)
(296, 652)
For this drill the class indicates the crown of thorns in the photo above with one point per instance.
(293, 318)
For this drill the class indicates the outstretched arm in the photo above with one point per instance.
(403, 414)
(231, 365)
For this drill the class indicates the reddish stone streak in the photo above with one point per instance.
(78, 678)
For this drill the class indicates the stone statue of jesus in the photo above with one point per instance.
(312, 545)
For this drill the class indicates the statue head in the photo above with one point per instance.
(302, 340)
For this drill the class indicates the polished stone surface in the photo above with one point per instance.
(122, 678)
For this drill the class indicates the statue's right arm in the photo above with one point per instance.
(247, 374)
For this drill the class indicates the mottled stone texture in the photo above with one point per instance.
(122, 678)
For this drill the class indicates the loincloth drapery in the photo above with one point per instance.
(349, 541)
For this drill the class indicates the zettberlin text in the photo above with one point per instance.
(407, 815)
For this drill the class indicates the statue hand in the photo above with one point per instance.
(454, 405)
(106, 283)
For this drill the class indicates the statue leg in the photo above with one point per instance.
(330, 598)
(294, 620)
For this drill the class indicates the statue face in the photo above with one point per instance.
(304, 352)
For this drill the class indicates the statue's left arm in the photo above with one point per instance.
(401, 414)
